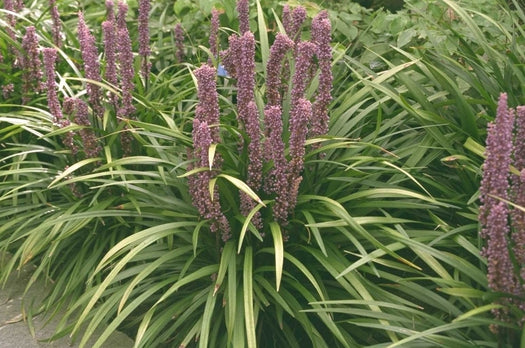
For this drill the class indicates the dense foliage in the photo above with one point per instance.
(106, 158)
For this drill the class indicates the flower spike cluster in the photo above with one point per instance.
(204, 136)
(275, 151)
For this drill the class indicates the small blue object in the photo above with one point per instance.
(222, 72)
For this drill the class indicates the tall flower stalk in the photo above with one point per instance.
(144, 48)
(89, 52)
(501, 227)
(50, 57)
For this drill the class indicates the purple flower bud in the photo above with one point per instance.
(494, 213)
(110, 10)
(303, 63)
(243, 8)
(121, 15)
(144, 49)
(125, 58)
(57, 27)
(198, 184)
(321, 29)
(214, 32)
(208, 106)
(280, 47)
(293, 22)
(300, 114)
(89, 52)
(495, 169)
(50, 56)
(110, 52)
(179, 43)
(245, 67)
(518, 197)
(276, 181)
(31, 64)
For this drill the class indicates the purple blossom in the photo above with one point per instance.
(245, 67)
(110, 10)
(243, 8)
(89, 52)
(300, 114)
(303, 63)
(121, 15)
(125, 60)
(229, 57)
(500, 267)
(321, 29)
(198, 184)
(287, 18)
(518, 196)
(31, 64)
(293, 22)
(144, 49)
(110, 52)
(208, 107)
(276, 181)
(498, 151)
(179, 43)
(280, 47)
(50, 56)
(214, 32)
(57, 28)
(493, 212)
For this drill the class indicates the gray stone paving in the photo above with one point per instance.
(14, 330)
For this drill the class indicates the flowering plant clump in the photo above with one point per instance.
(275, 142)
(502, 224)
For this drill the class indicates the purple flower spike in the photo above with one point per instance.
(89, 52)
(493, 212)
(495, 168)
(110, 52)
(321, 29)
(50, 56)
(198, 184)
(243, 8)
(144, 49)
(57, 27)
(208, 107)
(293, 22)
(299, 116)
(125, 59)
(110, 10)
(31, 64)
(280, 47)
(303, 63)
(245, 74)
(179, 43)
(214, 32)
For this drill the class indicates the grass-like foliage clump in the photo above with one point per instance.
(262, 173)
